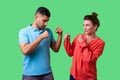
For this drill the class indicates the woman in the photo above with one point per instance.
(85, 50)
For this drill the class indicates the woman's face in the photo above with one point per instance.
(88, 27)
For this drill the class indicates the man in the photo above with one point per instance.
(35, 41)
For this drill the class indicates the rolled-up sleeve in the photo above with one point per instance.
(89, 54)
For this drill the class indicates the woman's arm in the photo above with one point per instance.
(90, 54)
(68, 46)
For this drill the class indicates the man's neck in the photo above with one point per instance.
(34, 25)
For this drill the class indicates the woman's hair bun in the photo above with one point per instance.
(94, 14)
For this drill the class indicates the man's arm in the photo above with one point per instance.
(55, 46)
(28, 48)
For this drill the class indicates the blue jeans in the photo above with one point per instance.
(48, 76)
(71, 77)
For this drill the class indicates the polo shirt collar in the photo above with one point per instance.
(36, 30)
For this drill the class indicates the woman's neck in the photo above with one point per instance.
(91, 37)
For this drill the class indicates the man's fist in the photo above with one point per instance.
(58, 30)
(45, 34)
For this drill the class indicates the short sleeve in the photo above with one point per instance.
(23, 37)
(50, 34)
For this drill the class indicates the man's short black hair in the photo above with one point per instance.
(43, 11)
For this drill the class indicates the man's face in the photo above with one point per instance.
(41, 21)
(88, 27)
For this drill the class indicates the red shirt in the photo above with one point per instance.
(84, 57)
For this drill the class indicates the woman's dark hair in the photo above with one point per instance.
(43, 11)
(93, 18)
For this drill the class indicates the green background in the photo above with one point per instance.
(68, 14)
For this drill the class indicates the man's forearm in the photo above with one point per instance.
(58, 43)
(28, 48)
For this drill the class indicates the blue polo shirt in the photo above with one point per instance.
(38, 61)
